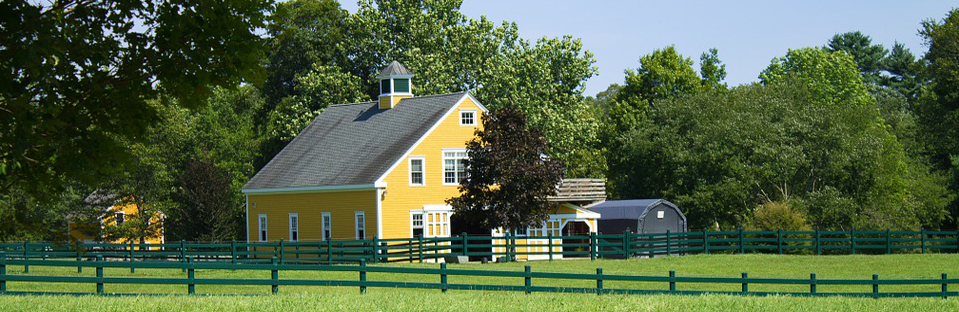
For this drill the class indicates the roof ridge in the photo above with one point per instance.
(357, 103)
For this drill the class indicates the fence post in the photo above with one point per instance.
(443, 276)
(922, 239)
(79, 258)
(818, 248)
(3, 272)
(132, 269)
(742, 248)
(945, 287)
(362, 276)
(592, 246)
(888, 245)
(183, 253)
(26, 257)
(528, 279)
(672, 281)
(669, 243)
(779, 240)
(812, 283)
(99, 274)
(466, 244)
(957, 241)
(549, 243)
(852, 240)
(625, 244)
(233, 251)
(275, 276)
(745, 283)
(376, 249)
(190, 275)
(281, 250)
(329, 251)
(875, 286)
(706, 241)
(599, 281)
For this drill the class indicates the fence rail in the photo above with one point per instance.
(669, 284)
(508, 246)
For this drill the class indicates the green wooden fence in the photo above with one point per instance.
(593, 246)
(668, 284)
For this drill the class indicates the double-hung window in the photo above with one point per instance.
(417, 171)
(360, 218)
(325, 226)
(454, 166)
(294, 227)
(262, 227)
(120, 217)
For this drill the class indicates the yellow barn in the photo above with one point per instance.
(113, 215)
(383, 168)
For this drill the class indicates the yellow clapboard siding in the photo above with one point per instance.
(400, 197)
(309, 208)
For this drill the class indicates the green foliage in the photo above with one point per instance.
(24, 217)
(664, 74)
(868, 57)
(508, 175)
(832, 77)
(718, 155)
(712, 70)
(772, 216)
(905, 72)
(77, 76)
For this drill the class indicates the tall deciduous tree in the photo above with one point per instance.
(75, 77)
(712, 70)
(509, 176)
(832, 76)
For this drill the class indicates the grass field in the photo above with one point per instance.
(293, 298)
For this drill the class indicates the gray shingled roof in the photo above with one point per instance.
(351, 144)
(395, 68)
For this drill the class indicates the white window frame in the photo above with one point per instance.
(518, 234)
(409, 164)
(422, 225)
(470, 111)
(119, 218)
(294, 227)
(261, 229)
(444, 158)
(325, 216)
(356, 224)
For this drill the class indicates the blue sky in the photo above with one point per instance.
(748, 34)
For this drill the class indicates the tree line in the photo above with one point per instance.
(172, 107)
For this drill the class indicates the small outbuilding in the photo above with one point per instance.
(639, 216)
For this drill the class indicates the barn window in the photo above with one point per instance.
(454, 166)
(120, 218)
(416, 223)
(294, 227)
(467, 117)
(262, 227)
(360, 224)
(325, 226)
(417, 171)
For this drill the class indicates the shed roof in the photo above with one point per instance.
(352, 144)
(629, 208)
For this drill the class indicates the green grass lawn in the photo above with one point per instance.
(347, 298)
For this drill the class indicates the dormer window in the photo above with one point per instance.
(467, 117)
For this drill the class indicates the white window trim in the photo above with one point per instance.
(261, 228)
(409, 166)
(443, 164)
(294, 215)
(115, 219)
(423, 220)
(356, 229)
(470, 110)
(323, 229)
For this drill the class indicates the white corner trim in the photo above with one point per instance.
(247, 206)
(379, 212)
(427, 134)
(312, 189)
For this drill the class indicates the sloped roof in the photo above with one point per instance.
(352, 144)
(629, 208)
(395, 68)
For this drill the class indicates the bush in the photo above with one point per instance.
(771, 216)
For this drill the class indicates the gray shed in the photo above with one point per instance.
(639, 216)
